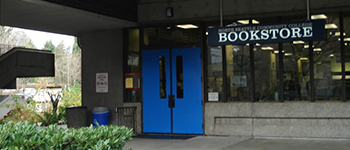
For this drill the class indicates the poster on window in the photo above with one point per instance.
(239, 81)
(101, 82)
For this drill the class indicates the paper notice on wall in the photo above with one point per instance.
(213, 96)
(101, 82)
(129, 83)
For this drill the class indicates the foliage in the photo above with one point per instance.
(20, 112)
(49, 46)
(29, 136)
(48, 118)
(71, 95)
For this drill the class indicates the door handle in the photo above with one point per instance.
(171, 101)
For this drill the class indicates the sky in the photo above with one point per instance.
(39, 38)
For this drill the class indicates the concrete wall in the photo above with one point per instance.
(150, 11)
(138, 115)
(102, 51)
(289, 119)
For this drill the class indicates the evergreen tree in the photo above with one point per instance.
(49, 46)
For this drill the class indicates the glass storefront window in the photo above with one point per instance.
(327, 62)
(346, 23)
(215, 73)
(238, 72)
(133, 65)
(296, 73)
(266, 78)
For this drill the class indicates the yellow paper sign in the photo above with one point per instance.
(129, 83)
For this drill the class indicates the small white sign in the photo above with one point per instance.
(101, 82)
(213, 96)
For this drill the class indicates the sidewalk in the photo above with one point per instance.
(237, 143)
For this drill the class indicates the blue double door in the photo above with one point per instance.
(172, 91)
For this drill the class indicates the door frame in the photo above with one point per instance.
(171, 87)
(202, 44)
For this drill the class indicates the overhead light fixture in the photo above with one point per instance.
(307, 46)
(247, 21)
(317, 49)
(257, 44)
(187, 26)
(331, 55)
(318, 16)
(347, 39)
(331, 26)
(288, 54)
(206, 33)
(304, 58)
(254, 49)
(267, 48)
(247, 44)
(298, 42)
(277, 51)
(338, 34)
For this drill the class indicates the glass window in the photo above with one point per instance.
(296, 73)
(215, 72)
(172, 36)
(266, 78)
(238, 72)
(327, 62)
(133, 65)
(346, 34)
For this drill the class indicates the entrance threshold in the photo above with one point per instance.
(165, 136)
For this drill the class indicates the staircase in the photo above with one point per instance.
(23, 62)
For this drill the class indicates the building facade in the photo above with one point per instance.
(157, 58)
(285, 89)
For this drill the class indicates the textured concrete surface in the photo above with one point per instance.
(138, 114)
(150, 11)
(103, 53)
(288, 119)
(237, 143)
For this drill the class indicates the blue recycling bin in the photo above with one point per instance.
(100, 116)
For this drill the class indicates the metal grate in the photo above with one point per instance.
(126, 116)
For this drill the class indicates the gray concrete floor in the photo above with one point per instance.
(237, 143)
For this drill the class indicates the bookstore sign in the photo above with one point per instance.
(267, 33)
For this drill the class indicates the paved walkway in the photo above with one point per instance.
(236, 143)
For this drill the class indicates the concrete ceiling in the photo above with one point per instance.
(49, 17)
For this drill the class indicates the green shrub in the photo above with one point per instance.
(29, 136)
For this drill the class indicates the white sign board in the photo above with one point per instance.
(101, 82)
(213, 96)
(239, 81)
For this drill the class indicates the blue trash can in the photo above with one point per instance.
(100, 116)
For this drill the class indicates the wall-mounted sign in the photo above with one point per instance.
(213, 96)
(101, 82)
(238, 81)
(267, 33)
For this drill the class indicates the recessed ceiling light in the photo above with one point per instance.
(247, 21)
(276, 52)
(288, 54)
(187, 26)
(206, 33)
(298, 42)
(307, 46)
(338, 34)
(347, 39)
(318, 16)
(331, 26)
(331, 55)
(304, 58)
(257, 44)
(267, 48)
(317, 49)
